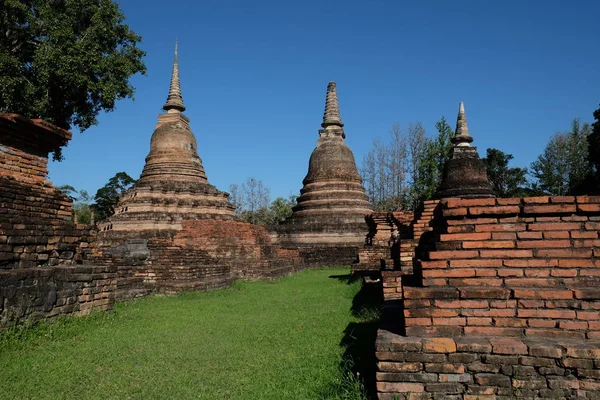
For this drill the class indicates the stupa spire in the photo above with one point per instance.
(462, 136)
(174, 100)
(332, 109)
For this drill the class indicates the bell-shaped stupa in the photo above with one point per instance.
(173, 185)
(332, 205)
(464, 174)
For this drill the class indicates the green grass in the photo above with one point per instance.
(256, 340)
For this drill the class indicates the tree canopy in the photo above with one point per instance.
(65, 60)
(109, 195)
(507, 182)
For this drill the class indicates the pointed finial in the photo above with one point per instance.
(174, 100)
(332, 109)
(461, 136)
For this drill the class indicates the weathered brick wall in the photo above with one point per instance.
(204, 254)
(485, 368)
(504, 302)
(511, 267)
(40, 249)
(34, 293)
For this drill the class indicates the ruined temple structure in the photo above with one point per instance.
(41, 250)
(501, 300)
(174, 231)
(173, 185)
(465, 174)
(328, 223)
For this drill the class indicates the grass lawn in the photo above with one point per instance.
(256, 340)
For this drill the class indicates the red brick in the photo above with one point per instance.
(434, 264)
(564, 253)
(588, 199)
(543, 294)
(508, 202)
(417, 303)
(529, 235)
(592, 293)
(400, 387)
(502, 312)
(487, 293)
(432, 282)
(490, 263)
(530, 263)
(592, 226)
(511, 322)
(500, 228)
(503, 304)
(541, 323)
(455, 203)
(430, 293)
(512, 272)
(531, 282)
(430, 312)
(454, 254)
(584, 234)
(492, 331)
(582, 350)
(490, 244)
(576, 263)
(562, 199)
(555, 334)
(550, 209)
(418, 321)
(386, 366)
(588, 315)
(461, 229)
(506, 253)
(504, 236)
(537, 273)
(439, 345)
(456, 321)
(573, 325)
(536, 244)
(485, 272)
(556, 235)
(588, 208)
(455, 212)
(555, 314)
(461, 303)
(475, 282)
(465, 236)
(479, 321)
(508, 346)
(476, 211)
(554, 226)
(449, 273)
(564, 272)
(536, 200)
(579, 243)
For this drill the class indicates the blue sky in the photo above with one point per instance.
(254, 76)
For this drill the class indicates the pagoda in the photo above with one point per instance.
(465, 174)
(173, 185)
(332, 206)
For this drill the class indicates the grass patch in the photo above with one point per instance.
(284, 339)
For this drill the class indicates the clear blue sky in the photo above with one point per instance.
(254, 76)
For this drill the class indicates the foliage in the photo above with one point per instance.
(507, 182)
(257, 340)
(408, 168)
(82, 209)
(108, 196)
(65, 60)
(251, 199)
(594, 155)
(564, 165)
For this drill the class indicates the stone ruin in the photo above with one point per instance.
(484, 298)
(40, 249)
(501, 299)
(328, 223)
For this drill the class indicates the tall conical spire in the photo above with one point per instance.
(174, 100)
(461, 136)
(332, 109)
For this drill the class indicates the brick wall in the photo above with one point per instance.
(485, 368)
(503, 302)
(40, 249)
(511, 267)
(204, 254)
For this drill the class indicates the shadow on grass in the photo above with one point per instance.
(359, 336)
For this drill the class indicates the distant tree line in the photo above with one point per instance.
(408, 168)
(252, 200)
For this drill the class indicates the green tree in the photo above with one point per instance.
(109, 195)
(564, 165)
(593, 181)
(281, 208)
(507, 182)
(65, 60)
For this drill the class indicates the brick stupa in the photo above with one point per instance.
(173, 185)
(465, 175)
(332, 205)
